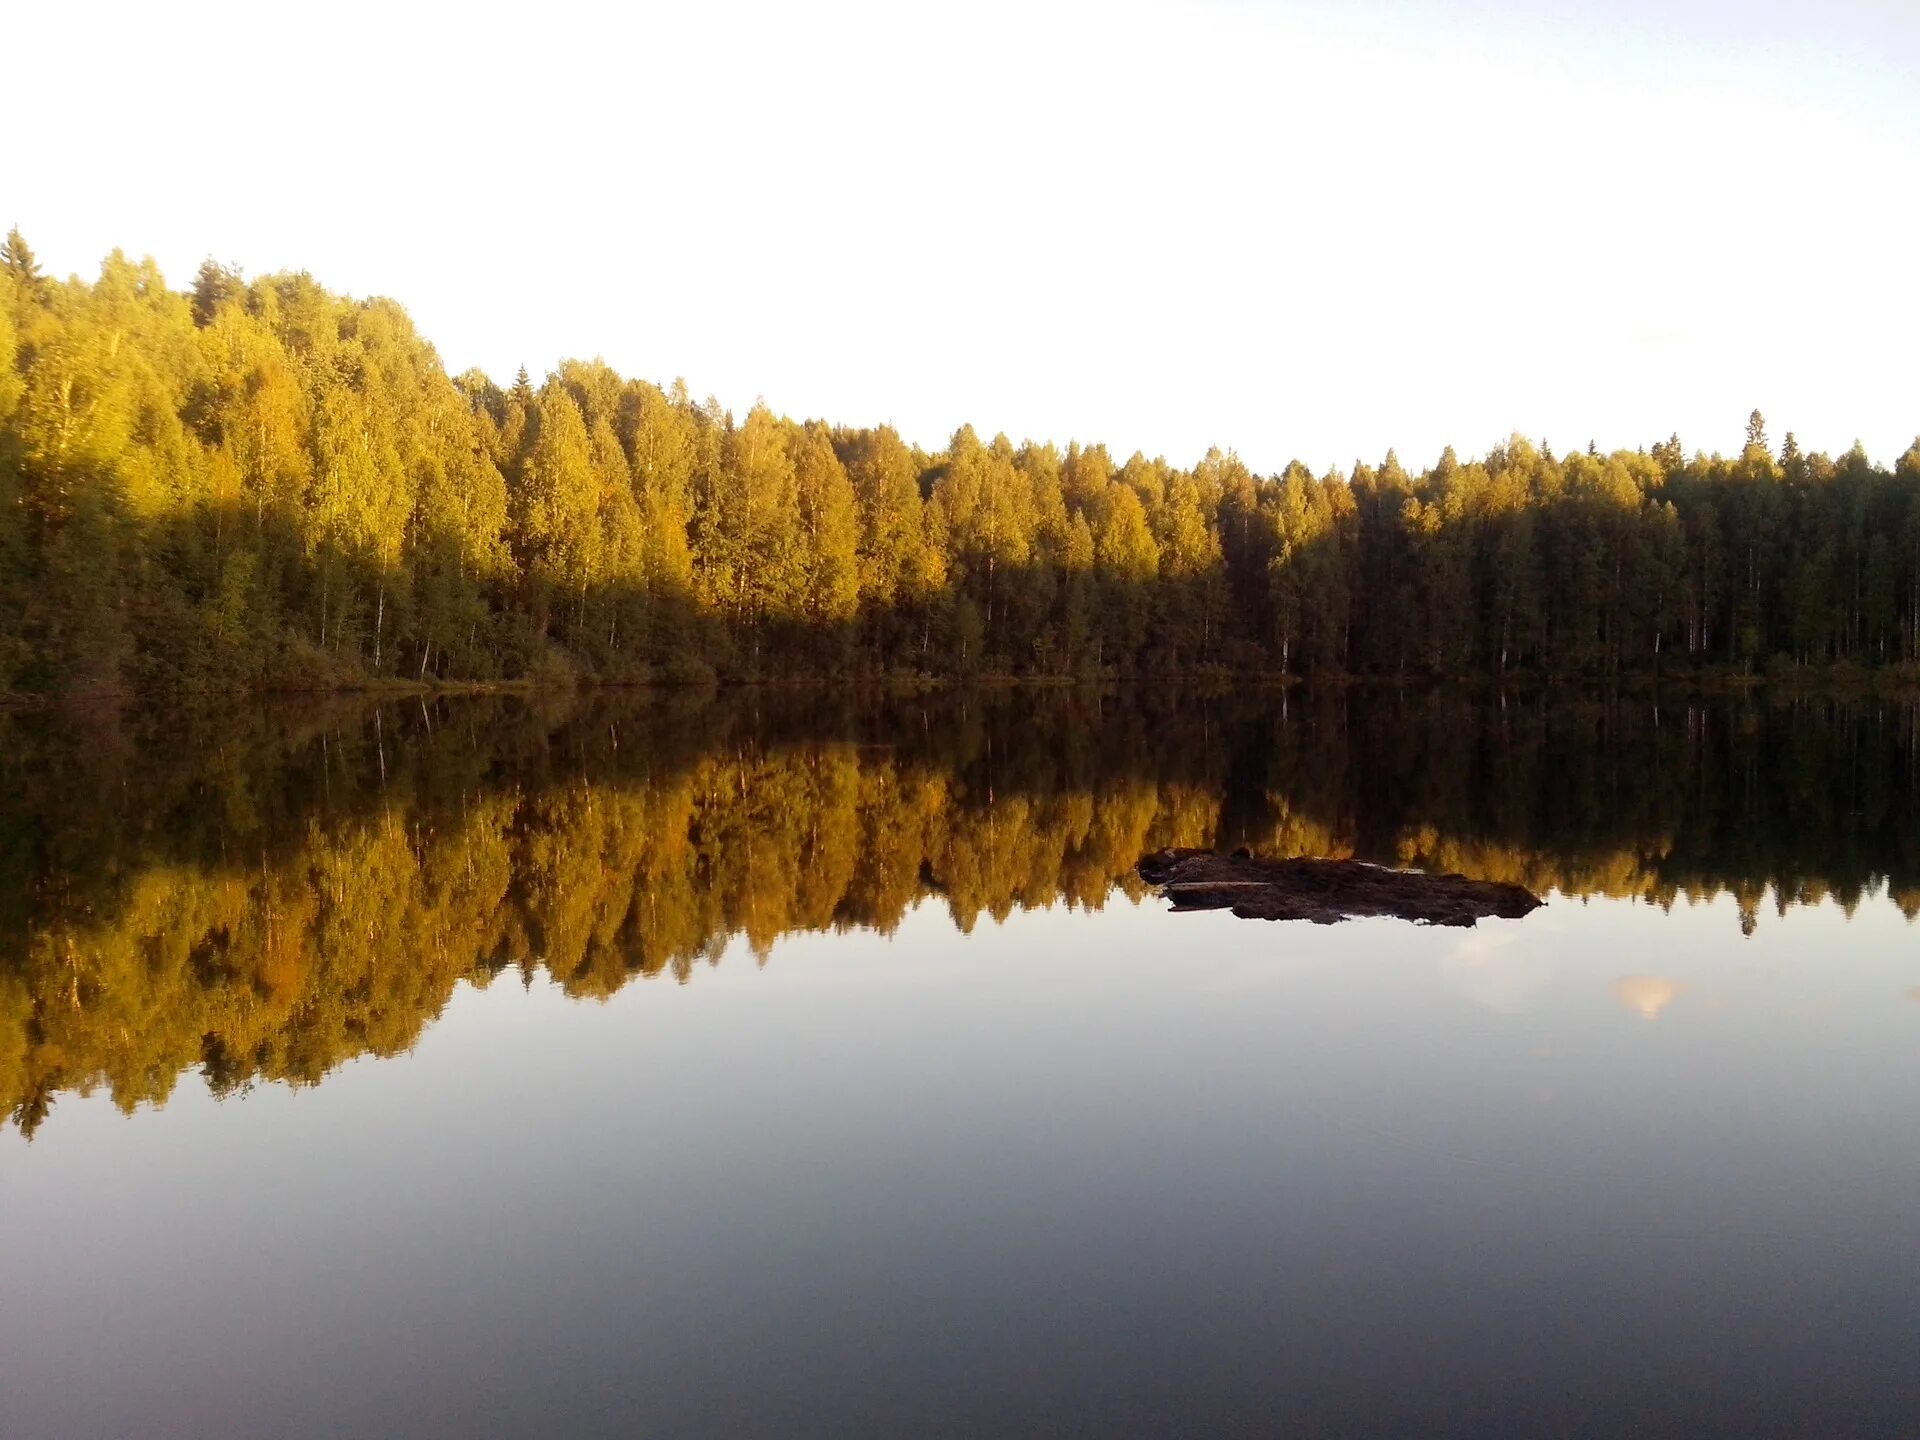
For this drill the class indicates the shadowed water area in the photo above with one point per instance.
(773, 1063)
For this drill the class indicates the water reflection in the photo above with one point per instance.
(1646, 994)
(1490, 970)
(263, 894)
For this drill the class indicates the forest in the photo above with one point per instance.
(260, 485)
(264, 892)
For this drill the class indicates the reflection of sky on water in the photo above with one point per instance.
(1492, 967)
(1075, 1170)
(1648, 994)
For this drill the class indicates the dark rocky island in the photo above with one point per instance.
(1327, 891)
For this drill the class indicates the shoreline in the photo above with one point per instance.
(1847, 683)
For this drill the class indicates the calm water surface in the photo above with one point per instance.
(768, 1067)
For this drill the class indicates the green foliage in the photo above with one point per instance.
(259, 484)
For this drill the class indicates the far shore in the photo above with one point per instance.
(1845, 682)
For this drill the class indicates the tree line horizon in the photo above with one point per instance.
(255, 485)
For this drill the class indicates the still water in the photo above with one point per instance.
(771, 1066)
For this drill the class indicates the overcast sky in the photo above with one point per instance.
(1290, 229)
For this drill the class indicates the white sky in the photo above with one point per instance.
(1295, 230)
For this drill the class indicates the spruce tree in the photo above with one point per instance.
(17, 260)
(213, 286)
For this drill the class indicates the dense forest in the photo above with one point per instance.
(257, 485)
(266, 892)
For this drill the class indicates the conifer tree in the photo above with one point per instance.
(17, 262)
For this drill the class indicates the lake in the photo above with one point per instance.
(786, 1063)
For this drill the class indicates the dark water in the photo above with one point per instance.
(785, 1065)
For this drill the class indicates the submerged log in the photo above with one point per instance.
(1327, 891)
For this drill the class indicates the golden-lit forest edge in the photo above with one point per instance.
(264, 892)
(260, 485)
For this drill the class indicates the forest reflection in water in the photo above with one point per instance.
(265, 892)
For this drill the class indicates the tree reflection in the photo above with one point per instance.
(263, 894)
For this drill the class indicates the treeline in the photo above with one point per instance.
(261, 484)
(264, 895)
